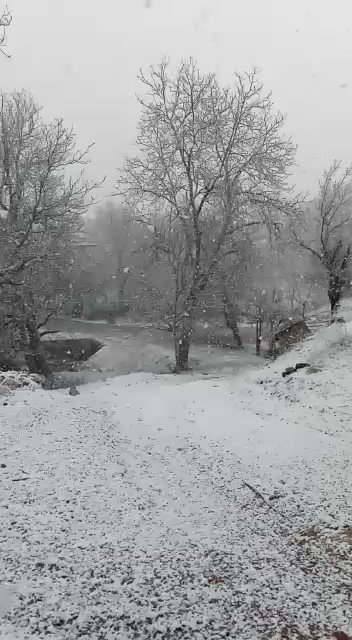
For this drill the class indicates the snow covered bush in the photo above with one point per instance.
(11, 380)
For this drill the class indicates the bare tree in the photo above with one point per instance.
(5, 21)
(326, 232)
(212, 161)
(300, 299)
(268, 310)
(255, 310)
(231, 313)
(43, 193)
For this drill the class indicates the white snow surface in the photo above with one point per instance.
(125, 513)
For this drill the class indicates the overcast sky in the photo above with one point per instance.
(80, 59)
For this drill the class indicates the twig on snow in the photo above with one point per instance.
(260, 495)
(49, 332)
(20, 479)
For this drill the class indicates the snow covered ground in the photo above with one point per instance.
(145, 352)
(172, 507)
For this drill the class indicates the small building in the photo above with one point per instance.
(289, 333)
(103, 304)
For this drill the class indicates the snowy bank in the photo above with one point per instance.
(322, 391)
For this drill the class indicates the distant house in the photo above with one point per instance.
(290, 333)
(102, 304)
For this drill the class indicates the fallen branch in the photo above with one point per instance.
(19, 479)
(49, 332)
(260, 495)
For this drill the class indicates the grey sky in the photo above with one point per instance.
(80, 58)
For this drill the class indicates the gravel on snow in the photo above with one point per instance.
(124, 515)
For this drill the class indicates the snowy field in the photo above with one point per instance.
(176, 507)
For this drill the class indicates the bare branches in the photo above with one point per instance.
(333, 203)
(5, 21)
(40, 187)
(197, 141)
(268, 504)
(326, 232)
(198, 120)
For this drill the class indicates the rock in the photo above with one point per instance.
(38, 378)
(313, 369)
(10, 364)
(302, 365)
(48, 384)
(276, 496)
(73, 391)
(288, 371)
(3, 465)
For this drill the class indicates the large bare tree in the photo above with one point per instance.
(325, 231)
(212, 161)
(43, 193)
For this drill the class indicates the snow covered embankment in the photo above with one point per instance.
(130, 511)
(321, 392)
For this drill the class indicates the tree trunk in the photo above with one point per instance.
(236, 336)
(258, 335)
(183, 330)
(182, 348)
(121, 278)
(230, 316)
(273, 353)
(34, 352)
(334, 295)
